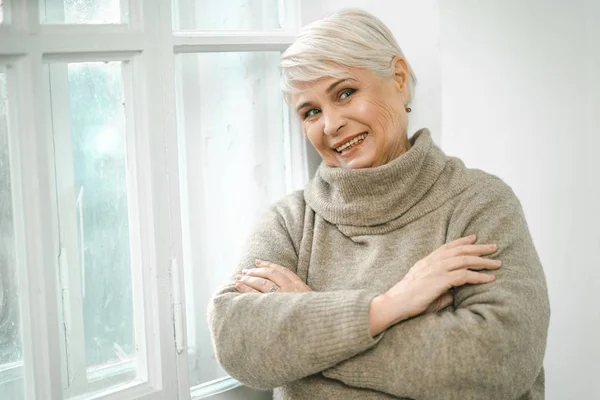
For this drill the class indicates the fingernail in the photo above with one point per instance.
(257, 262)
(244, 271)
(493, 246)
(238, 277)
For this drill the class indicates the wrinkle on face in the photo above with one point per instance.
(376, 107)
(387, 120)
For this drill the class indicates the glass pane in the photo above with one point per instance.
(227, 155)
(98, 145)
(1, 12)
(11, 358)
(84, 11)
(95, 267)
(234, 15)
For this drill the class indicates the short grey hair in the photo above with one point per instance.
(350, 37)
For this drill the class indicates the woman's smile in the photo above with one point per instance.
(376, 242)
(358, 120)
(350, 148)
(350, 142)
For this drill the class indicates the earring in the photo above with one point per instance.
(407, 109)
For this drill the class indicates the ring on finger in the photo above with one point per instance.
(273, 289)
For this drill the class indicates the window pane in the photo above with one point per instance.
(233, 148)
(84, 11)
(95, 264)
(11, 359)
(1, 12)
(98, 145)
(234, 15)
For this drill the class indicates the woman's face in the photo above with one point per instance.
(358, 121)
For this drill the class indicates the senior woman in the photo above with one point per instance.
(397, 272)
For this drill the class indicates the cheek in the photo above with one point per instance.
(381, 116)
(314, 136)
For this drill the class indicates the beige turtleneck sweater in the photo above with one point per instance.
(353, 234)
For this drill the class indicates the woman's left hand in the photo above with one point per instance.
(269, 278)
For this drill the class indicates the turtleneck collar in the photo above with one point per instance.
(374, 196)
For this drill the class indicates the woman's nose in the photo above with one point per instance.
(334, 121)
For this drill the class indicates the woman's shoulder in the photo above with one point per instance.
(288, 211)
(474, 182)
(486, 188)
(487, 206)
(290, 204)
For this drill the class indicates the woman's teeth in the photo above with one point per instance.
(351, 143)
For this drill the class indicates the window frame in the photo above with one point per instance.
(6, 12)
(148, 44)
(296, 162)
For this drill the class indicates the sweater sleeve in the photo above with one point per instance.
(491, 344)
(267, 340)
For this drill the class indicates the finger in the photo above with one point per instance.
(458, 242)
(470, 250)
(465, 276)
(292, 277)
(261, 284)
(272, 274)
(240, 287)
(471, 262)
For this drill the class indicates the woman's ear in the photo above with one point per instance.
(401, 76)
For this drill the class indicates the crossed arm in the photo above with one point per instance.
(267, 340)
(489, 345)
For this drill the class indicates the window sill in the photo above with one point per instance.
(213, 388)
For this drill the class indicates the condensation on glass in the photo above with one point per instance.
(95, 268)
(11, 357)
(84, 11)
(231, 134)
(234, 15)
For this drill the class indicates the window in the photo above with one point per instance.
(110, 222)
(97, 257)
(11, 357)
(84, 11)
(235, 137)
(225, 157)
(239, 15)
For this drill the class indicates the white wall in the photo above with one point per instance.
(513, 87)
(519, 93)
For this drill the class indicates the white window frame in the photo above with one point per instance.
(147, 45)
(296, 162)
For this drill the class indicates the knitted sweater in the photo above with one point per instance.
(353, 234)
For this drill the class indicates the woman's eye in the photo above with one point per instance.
(311, 112)
(344, 94)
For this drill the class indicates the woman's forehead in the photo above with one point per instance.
(321, 83)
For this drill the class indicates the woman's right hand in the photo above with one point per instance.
(427, 284)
